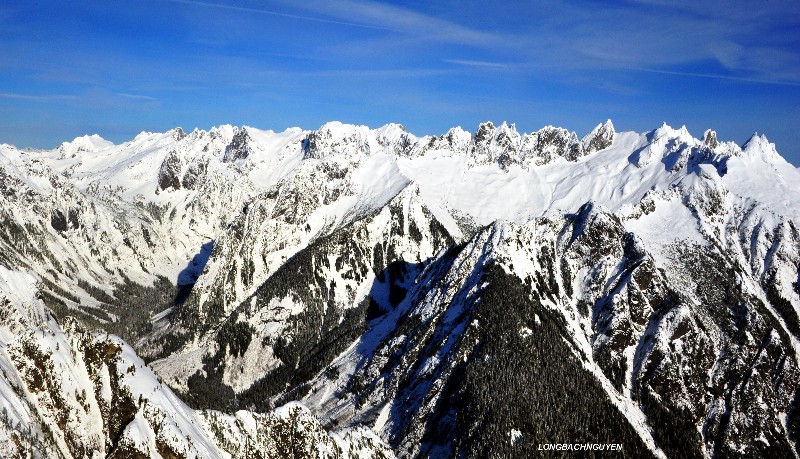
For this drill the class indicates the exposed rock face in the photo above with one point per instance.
(337, 139)
(194, 176)
(170, 171)
(710, 139)
(551, 142)
(239, 148)
(498, 146)
(600, 138)
(503, 146)
(448, 296)
(74, 393)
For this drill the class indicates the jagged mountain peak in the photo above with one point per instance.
(391, 129)
(666, 133)
(599, 138)
(456, 131)
(484, 128)
(239, 147)
(177, 133)
(488, 131)
(336, 138)
(509, 129)
(710, 139)
(759, 145)
(372, 274)
(339, 131)
(395, 139)
(499, 145)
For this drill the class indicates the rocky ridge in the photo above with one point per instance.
(468, 279)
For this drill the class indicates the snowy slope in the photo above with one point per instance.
(67, 393)
(356, 269)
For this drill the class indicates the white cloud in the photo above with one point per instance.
(136, 97)
(272, 13)
(37, 98)
(483, 64)
(401, 19)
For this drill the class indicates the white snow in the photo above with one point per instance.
(671, 222)
(657, 182)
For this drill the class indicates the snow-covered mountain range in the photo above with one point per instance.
(356, 292)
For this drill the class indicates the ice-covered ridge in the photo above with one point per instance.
(359, 211)
(202, 180)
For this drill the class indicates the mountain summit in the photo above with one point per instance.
(357, 292)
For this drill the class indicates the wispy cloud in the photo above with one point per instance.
(482, 64)
(275, 13)
(396, 18)
(136, 97)
(378, 73)
(562, 38)
(721, 77)
(37, 98)
(753, 44)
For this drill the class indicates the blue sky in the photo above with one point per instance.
(118, 67)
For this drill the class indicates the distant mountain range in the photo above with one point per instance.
(356, 292)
